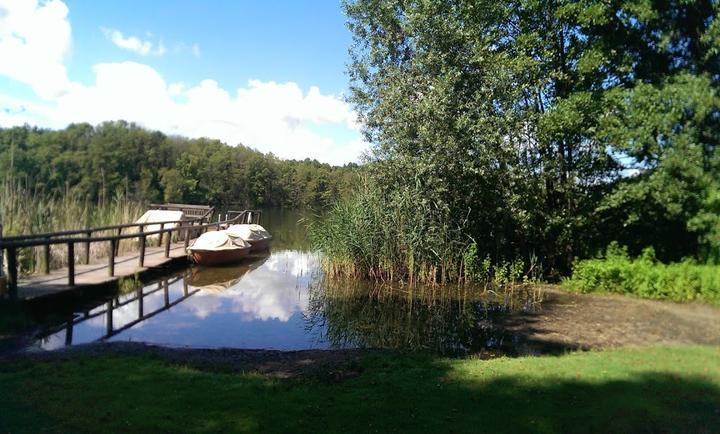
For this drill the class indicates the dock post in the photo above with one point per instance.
(71, 263)
(109, 318)
(117, 245)
(167, 244)
(166, 293)
(12, 273)
(46, 263)
(111, 259)
(140, 296)
(69, 331)
(142, 247)
(160, 235)
(87, 248)
(2, 263)
(187, 237)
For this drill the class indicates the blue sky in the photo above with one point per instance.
(270, 75)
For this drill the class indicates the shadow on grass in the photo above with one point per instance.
(393, 394)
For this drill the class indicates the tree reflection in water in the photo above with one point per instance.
(443, 320)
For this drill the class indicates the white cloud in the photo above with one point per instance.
(134, 44)
(272, 117)
(34, 40)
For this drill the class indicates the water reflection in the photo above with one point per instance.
(280, 301)
(441, 320)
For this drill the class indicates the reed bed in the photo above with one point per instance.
(400, 236)
(27, 210)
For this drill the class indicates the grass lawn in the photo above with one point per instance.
(656, 389)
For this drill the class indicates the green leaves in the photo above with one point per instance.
(518, 117)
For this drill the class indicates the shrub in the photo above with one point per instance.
(645, 277)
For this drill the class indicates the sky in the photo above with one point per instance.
(266, 74)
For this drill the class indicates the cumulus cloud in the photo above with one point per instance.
(134, 44)
(273, 117)
(34, 40)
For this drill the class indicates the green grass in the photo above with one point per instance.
(658, 389)
(645, 277)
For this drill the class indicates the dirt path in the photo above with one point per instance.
(568, 320)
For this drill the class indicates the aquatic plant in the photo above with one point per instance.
(401, 236)
(644, 276)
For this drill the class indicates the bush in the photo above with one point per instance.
(645, 277)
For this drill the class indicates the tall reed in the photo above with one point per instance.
(26, 210)
(401, 236)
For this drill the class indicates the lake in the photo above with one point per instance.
(281, 300)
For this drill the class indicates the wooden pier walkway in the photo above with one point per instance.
(96, 273)
(153, 249)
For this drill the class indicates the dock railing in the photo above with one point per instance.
(184, 230)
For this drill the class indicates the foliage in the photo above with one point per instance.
(97, 163)
(544, 130)
(390, 237)
(662, 389)
(645, 277)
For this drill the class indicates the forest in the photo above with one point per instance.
(99, 163)
(530, 133)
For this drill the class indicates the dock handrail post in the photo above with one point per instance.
(167, 243)
(160, 235)
(142, 246)
(2, 263)
(87, 248)
(187, 237)
(117, 245)
(71, 263)
(46, 258)
(12, 273)
(111, 258)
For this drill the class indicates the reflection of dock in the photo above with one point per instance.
(115, 303)
(147, 246)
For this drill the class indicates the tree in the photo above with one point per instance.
(498, 113)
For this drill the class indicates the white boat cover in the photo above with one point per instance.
(160, 215)
(216, 241)
(248, 232)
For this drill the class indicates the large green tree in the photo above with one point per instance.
(520, 119)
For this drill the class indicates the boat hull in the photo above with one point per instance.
(218, 257)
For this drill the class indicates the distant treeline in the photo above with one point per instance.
(100, 162)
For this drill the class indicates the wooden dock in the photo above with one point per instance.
(96, 273)
(156, 248)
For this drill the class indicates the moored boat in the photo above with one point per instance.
(257, 236)
(217, 248)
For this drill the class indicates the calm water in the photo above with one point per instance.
(279, 300)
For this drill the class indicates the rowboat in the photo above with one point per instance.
(255, 235)
(217, 248)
